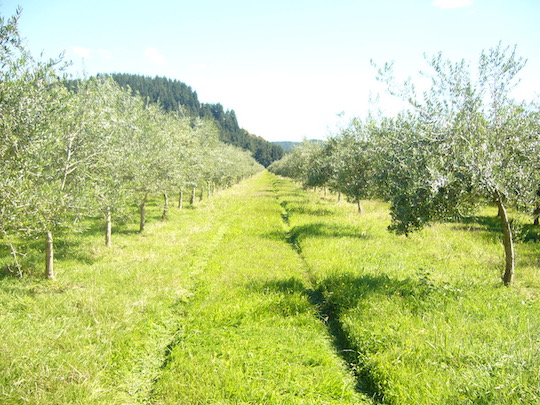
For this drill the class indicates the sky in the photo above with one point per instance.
(290, 69)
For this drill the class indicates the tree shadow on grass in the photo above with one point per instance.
(317, 230)
(31, 253)
(490, 227)
(303, 210)
(291, 285)
(335, 295)
(486, 227)
(346, 291)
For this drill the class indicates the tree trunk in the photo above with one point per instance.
(508, 276)
(338, 196)
(165, 214)
(201, 196)
(536, 214)
(143, 213)
(192, 198)
(108, 225)
(180, 199)
(49, 256)
(208, 190)
(360, 210)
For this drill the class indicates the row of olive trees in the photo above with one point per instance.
(461, 143)
(92, 150)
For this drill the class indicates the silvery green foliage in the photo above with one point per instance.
(64, 154)
(300, 162)
(352, 167)
(463, 141)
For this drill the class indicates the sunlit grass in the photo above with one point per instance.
(427, 315)
(97, 333)
(261, 295)
(254, 337)
(208, 307)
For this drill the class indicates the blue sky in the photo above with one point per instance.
(291, 69)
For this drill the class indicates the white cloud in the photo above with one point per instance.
(154, 56)
(81, 52)
(452, 3)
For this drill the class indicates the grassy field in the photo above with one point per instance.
(426, 317)
(267, 294)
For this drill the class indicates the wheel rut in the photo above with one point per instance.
(329, 314)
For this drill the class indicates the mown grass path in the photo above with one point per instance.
(252, 335)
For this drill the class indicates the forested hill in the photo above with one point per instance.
(288, 146)
(174, 95)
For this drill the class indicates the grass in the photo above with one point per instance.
(427, 315)
(253, 336)
(197, 309)
(97, 333)
(267, 294)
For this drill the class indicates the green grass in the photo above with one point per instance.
(267, 294)
(208, 307)
(97, 334)
(427, 315)
(253, 336)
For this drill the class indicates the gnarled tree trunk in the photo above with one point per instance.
(180, 198)
(508, 276)
(108, 227)
(360, 209)
(192, 198)
(165, 206)
(536, 214)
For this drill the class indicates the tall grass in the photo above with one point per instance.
(427, 315)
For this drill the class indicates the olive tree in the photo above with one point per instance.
(44, 149)
(351, 161)
(463, 142)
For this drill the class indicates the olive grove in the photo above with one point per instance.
(90, 150)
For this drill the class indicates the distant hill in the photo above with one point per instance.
(174, 95)
(288, 145)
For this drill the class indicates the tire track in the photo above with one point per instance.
(327, 311)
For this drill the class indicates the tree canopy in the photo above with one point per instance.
(461, 143)
(92, 148)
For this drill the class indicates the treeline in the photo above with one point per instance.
(94, 149)
(462, 143)
(175, 96)
(288, 146)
